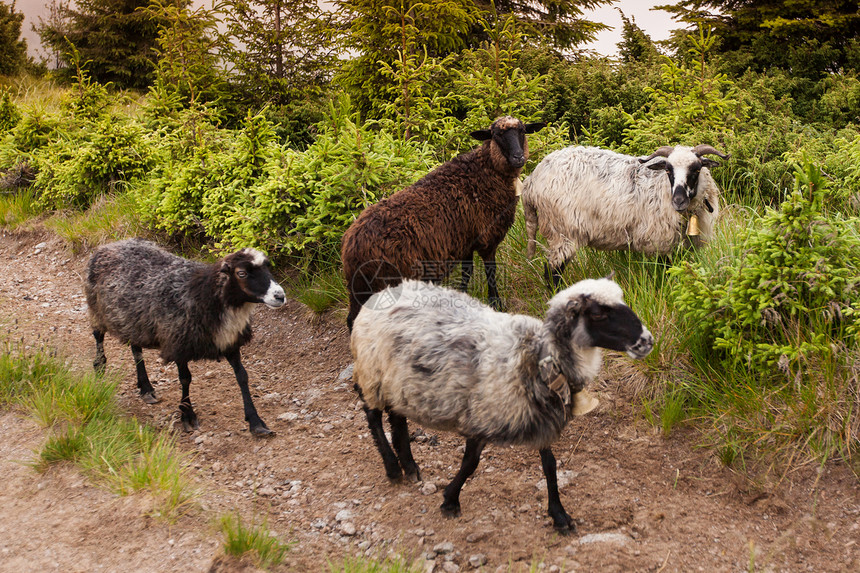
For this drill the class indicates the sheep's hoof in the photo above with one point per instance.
(564, 529)
(150, 397)
(564, 524)
(190, 426)
(412, 476)
(450, 511)
(262, 432)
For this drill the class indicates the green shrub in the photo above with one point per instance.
(788, 298)
(9, 113)
(306, 200)
(107, 153)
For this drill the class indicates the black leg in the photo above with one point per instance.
(374, 422)
(257, 425)
(147, 393)
(451, 506)
(101, 360)
(467, 268)
(552, 276)
(187, 414)
(560, 519)
(400, 438)
(492, 286)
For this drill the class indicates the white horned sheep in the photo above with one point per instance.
(586, 196)
(447, 361)
(465, 205)
(149, 298)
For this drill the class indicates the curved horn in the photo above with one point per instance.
(662, 152)
(705, 149)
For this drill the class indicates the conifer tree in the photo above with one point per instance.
(811, 38)
(115, 37)
(13, 49)
(280, 49)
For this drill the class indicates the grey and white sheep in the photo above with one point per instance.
(586, 196)
(465, 205)
(149, 298)
(447, 361)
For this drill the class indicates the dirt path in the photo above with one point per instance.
(643, 503)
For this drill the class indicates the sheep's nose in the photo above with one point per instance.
(280, 297)
(518, 160)
(680, 201)
(643, 346)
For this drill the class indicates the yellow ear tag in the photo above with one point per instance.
(584, 402)
(693, 226)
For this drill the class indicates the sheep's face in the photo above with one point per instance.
(508, 135)
(592, 313)
(250, 279)
(682, 166)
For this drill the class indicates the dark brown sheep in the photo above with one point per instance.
(465, 205)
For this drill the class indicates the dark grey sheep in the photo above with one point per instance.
(149, 298)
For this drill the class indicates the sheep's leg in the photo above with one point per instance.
(492, 288)
(552, 275)
(389, 459)
(451, 506)
(400, 439)
(187, 414)
(101, 360)
(257, 425)
(560, 519)
(467, 268)
(147, 393)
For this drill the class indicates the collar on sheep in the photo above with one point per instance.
(551, 375)
(575, 403)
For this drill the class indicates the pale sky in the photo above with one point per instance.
(656, 23)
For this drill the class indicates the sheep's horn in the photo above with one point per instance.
(705, 149)
(662, 152)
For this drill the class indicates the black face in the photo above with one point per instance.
(510, 135)
(612, 327)
(512, 143)
(252, 282)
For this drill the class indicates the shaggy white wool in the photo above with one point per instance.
(603, 291)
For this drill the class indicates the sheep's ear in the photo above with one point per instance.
(574, 305)
(482, 134)
(706, 162)
(611, 275)
(226, 267)
(533, 127)
(657, 165)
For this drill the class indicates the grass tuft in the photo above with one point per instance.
(241, 539)
(109, 218)
(320, 291)
(364, 565)
(88, 431)
(16, 208)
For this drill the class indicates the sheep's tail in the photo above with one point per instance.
(530, 212)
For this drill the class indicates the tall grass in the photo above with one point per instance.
(86, 429)
(110, 218)
(16, 208)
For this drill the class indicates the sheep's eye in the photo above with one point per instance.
(241, 274)
(598, 316)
